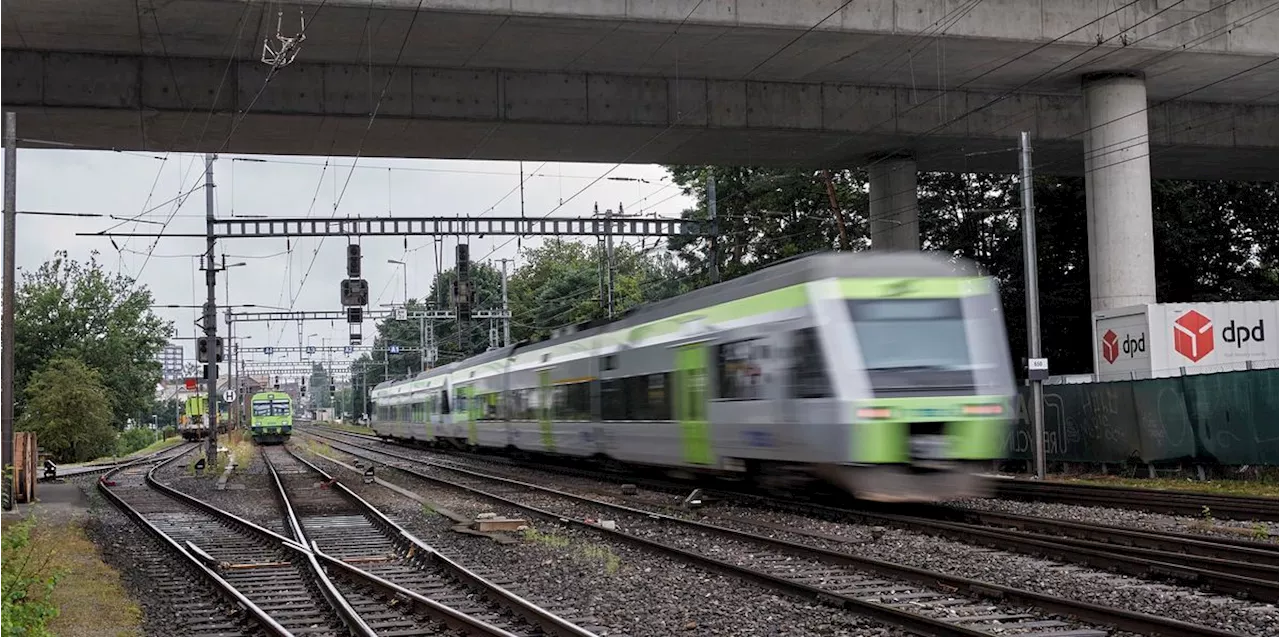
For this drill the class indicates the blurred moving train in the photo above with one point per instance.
(886, 374)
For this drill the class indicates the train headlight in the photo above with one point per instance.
(874, 413)
(983, 410)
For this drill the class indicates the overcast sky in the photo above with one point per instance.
(129, 185)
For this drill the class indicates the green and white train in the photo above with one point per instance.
(887, 374)
(271, 417)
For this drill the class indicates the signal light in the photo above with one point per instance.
(983, 410)
(353, 261)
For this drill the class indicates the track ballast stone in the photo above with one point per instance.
(629, 591)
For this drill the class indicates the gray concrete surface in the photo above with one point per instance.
(629, 80)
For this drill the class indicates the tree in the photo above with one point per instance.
(367, 371)
(319, 386)
(560, 284)
(765, 215)
(68, 408)
(166, 412)
(66, 309)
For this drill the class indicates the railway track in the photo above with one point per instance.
(204, 603)
(921, 601)
(281, 581)
(341, 525)
(1224, 565)
(83, 471)
(1170, 502)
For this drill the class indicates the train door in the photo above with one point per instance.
(544, 410)
(691, 403)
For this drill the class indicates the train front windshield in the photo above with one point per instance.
(915, 345)
(263, 408)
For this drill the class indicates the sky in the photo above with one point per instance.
(149, 189)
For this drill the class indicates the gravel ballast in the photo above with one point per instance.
(621, 588)
(1235, 529)
(956, 558)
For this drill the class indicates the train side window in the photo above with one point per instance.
(613, 399)
(738, 370)
(808, 368)
(659, 397)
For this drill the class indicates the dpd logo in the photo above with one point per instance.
(1113, 346)
(1110, 346)
(1193, 335)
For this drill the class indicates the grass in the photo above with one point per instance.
(158, 445)
(1266, 488)
(316, 447)
(590, 552)
(88, 595)
(238, 444)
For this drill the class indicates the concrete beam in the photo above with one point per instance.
(141, 102)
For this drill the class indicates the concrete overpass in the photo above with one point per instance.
(1116, 91)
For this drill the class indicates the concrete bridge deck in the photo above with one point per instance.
(629, 80)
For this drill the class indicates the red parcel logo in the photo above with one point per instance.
(1110, 346)
(1193, 335)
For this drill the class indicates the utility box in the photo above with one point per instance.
(1171, 339)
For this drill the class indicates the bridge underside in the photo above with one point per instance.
(149, 103)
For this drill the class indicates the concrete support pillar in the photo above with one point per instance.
(1118, 191)
(894, 215)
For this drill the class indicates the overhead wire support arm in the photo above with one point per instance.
(456, 226)
(339, 315)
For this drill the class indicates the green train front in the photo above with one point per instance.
(922, 369)
(271, 418)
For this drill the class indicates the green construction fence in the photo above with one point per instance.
(1228, 418)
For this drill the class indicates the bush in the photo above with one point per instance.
(133, 440)
(27, 608)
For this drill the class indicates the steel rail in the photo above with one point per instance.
(1119, 618)
(1188, 557)
(1167, 502)
(912, 622)
(221, 585)
(350, 617)
(89, 469)
(549, 622)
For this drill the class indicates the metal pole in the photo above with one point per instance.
(608, 255)
(10, 270)
(506, 320)
(210, 318)
(231, 368)
(1033, 299)
(422, 343)
(711, 215)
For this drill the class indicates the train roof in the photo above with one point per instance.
(271, 395)
(793, 271)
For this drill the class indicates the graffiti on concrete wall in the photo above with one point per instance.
(1226, 418)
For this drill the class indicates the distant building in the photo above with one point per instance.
(171, 362)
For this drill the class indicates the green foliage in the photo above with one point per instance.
(134, 439)
(27, 607)
(69, 409)
(560, 284)
(319, 386)
(67, 309)
(767, 214)
(166, 412)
